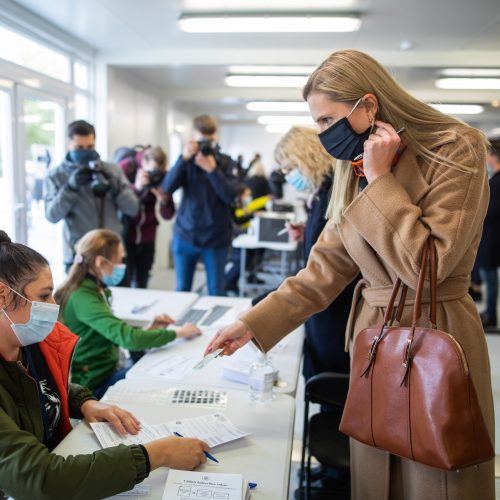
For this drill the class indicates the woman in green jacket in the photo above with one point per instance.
(85, 301)
(36, 401)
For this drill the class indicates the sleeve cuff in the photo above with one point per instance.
(142, 464)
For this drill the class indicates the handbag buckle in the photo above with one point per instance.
(407, 353)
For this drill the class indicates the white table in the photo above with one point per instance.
(250, 242)
(159, 301)
(286, 356)
(263, 457)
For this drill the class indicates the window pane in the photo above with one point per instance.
(81, 74)
(25, 52)
(81, 107)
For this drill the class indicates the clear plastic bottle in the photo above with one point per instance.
(261, 379)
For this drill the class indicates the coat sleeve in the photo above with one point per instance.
(97, 315)
(329, 270)
(59, 200)
(167, 208)
(30, 471)
(176, 176)
(77, 395)
(224, 184)
(452, 212)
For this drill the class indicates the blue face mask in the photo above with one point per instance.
(83, 156)
(116, 276)
(299, 181)
(43, 317)
(341, 141)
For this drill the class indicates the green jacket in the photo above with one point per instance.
(27, 468)
(88, 315)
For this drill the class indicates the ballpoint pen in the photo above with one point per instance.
(210, 457)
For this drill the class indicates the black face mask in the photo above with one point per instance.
(341, 141)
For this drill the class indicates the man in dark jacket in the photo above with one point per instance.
(203, 226)
(488, 257)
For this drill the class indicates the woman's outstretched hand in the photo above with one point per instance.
(230, 338)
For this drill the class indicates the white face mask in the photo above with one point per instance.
(43, 317)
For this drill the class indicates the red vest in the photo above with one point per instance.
(57, 349)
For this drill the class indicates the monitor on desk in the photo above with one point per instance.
(271, 227)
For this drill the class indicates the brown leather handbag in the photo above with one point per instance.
(411, 391)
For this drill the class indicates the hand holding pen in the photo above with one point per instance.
(210, 457)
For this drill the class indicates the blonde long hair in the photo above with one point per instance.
(94, 243)
(300, 147)
(348, 75)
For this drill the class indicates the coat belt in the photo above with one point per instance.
(378, 296)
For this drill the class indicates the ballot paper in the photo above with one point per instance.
(184, 485)
(171, 367)
(108, 436)
(209, 357)
(215, 429)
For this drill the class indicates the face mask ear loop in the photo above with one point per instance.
(354, 107)
(7, 316)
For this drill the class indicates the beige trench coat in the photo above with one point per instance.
(382, 235)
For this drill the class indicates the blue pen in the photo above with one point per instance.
(252, 486)
(210, 457)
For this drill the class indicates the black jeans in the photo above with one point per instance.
(140, 260)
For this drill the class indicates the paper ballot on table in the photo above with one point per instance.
(214, 429)
(172, 367)
(108, 436)
(183, 485)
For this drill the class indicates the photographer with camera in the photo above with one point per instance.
(86, 192)
(145, 172)
(203, 227)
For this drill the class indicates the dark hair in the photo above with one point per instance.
(19, 265)
(80, 127)
(495, 147)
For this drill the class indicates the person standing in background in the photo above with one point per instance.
(256, 178)
(203, 227)
(140, 231)
(86, 192)
(488, 256)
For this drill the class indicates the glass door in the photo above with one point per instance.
(7, 213)
(41, 146)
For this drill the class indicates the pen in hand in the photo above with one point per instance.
(210, 457)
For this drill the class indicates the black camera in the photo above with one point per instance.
(99, 183)
(155, 177)
(207, 148)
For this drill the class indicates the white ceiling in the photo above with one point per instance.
(142, 37)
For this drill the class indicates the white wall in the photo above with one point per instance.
(136, 112)
(248, 140)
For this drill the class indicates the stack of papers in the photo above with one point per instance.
(214, 429)
(182, 485)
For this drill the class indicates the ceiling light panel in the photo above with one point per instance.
(477, 72)
(268, 23)
(459, 109)
(468, 83)
(280, 106)
(265, 5)
(284, 119)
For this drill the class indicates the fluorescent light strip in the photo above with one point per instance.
(283, 106)
(283, 119)
(464, 72)
(271, 70)
(265, 81)
(268, 24)
(468, 83)
(459, 109)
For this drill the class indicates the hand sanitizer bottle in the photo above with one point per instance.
(261, 379)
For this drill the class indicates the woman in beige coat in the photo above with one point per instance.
(431, 180)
